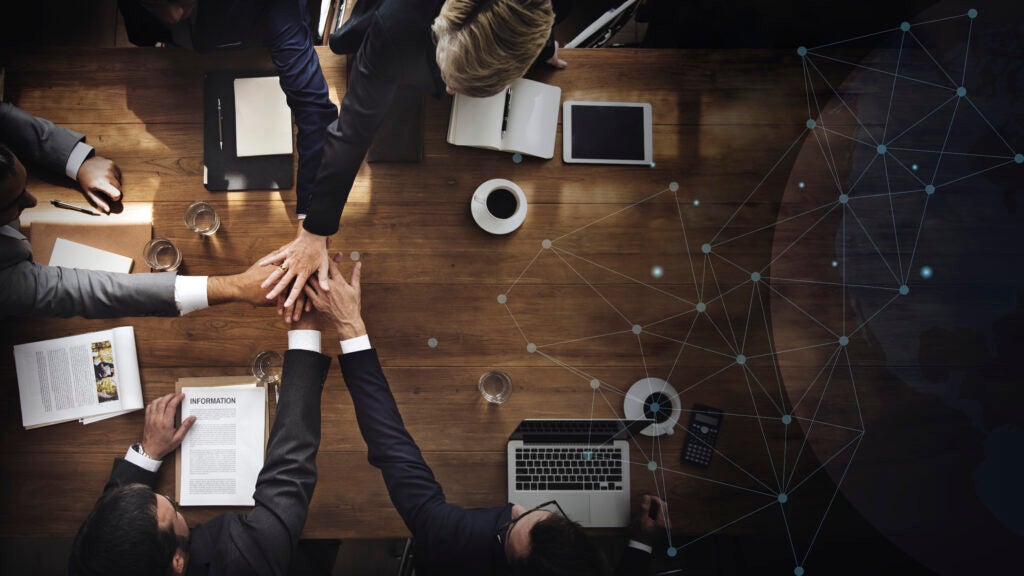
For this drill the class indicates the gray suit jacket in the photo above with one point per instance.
(28, 289)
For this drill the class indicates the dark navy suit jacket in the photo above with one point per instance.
(450, 540)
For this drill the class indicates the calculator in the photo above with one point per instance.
(705, 422)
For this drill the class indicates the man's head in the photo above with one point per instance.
(485, 45)
(14, 197)
(132, 531)
(545, 543)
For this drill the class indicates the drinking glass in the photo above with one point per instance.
(161, 255)
(495, 387)
(202, 218)
(267, 366)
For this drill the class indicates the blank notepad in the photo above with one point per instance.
(74, 255)
(263, 121)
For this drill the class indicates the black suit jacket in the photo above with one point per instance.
(262, 542)
(450, 540)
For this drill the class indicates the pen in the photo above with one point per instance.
(220, 125)
(67, 206)
(504, 117)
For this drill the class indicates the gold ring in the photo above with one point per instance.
(283, 268)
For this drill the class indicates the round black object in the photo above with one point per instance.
(502, 203)
(664, 411)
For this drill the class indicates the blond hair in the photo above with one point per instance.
(485, 45)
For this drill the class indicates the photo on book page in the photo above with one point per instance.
(103, 367)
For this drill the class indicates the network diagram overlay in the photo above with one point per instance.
(877, 166)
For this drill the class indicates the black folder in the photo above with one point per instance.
(224, 169)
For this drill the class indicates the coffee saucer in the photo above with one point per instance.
(489, 222)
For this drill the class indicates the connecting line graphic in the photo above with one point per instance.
(678, 327)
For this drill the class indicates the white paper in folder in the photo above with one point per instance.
(263, 121)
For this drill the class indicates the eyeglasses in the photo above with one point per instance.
(505, 529)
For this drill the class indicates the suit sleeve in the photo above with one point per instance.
(449, 538)
(36, 141)
(124, 473)
(30, 289)
(264, 540)
(291, 49)
(371, 88)
(634, 562)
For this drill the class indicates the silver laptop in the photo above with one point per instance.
(582, 464)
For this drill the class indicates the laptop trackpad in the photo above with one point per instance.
(576, 506)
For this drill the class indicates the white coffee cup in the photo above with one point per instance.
(498, 206)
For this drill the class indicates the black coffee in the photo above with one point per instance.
(502, 203)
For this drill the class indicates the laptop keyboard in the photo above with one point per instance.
(572, 468)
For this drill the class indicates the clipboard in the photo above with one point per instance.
(210, 382)
(223, 170)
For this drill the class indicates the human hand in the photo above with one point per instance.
(160, 437)
(100, 180)
(341, 304)
(244, 287)
(555, 60)
(650, 531)
(294, 312)
(296, 262)
(308, 321)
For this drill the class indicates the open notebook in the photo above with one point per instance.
(523, 118)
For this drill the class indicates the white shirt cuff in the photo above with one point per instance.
(357, 344)
(641, 546)
(78, 155)
(302, 216)
(141, 461)
(190, 293)
(304, 340)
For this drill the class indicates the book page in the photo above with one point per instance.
(477, 121)
(126, 364)
(74, 377)
(74, 255)
(532, 118)
(263, 121)
(222, 455)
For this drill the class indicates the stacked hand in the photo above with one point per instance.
(100, 180)
(342, 303)
(296, 262)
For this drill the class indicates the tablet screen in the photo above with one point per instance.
(607, 132)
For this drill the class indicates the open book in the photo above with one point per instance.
(87, 377)
(522, 118)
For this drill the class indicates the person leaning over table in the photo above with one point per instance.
(471, 47)
(132, 530)
(31, 289)
(449, 539)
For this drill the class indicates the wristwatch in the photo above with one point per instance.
(138, 448)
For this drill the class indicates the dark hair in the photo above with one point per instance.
(560, 547)
(121, 536)
(6, 163)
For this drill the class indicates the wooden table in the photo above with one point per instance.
(721, 121)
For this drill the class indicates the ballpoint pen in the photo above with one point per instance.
(67, 206)
(220, 125)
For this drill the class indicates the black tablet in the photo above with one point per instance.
(607, 133)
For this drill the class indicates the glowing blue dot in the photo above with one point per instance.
(787, 419)
(844, 198)
(835, 264)
(531, 347)
(913, 167)
(673, 186)
(696, 202)
(671, 551)
(905, 26)
(798, 571)
(637, 329)
(587, 454)
(705, 248)
(595, 383)
(783, 498)
(1019, 158)
(432, 342)
(881, 148)
(844, 340)
(801, 51)
(755, 276)
(545, 244)
(517, 158)
(653, 164)
(929, 189)
(701, 306)
(354, 256)
(652, 465)
(904, 290)
(961, 91)
(800, 185)
(926, 272)
(657, 271)
(741, 359)
(502, 298)
(972, 13)
(811, 124)
(655, 407)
